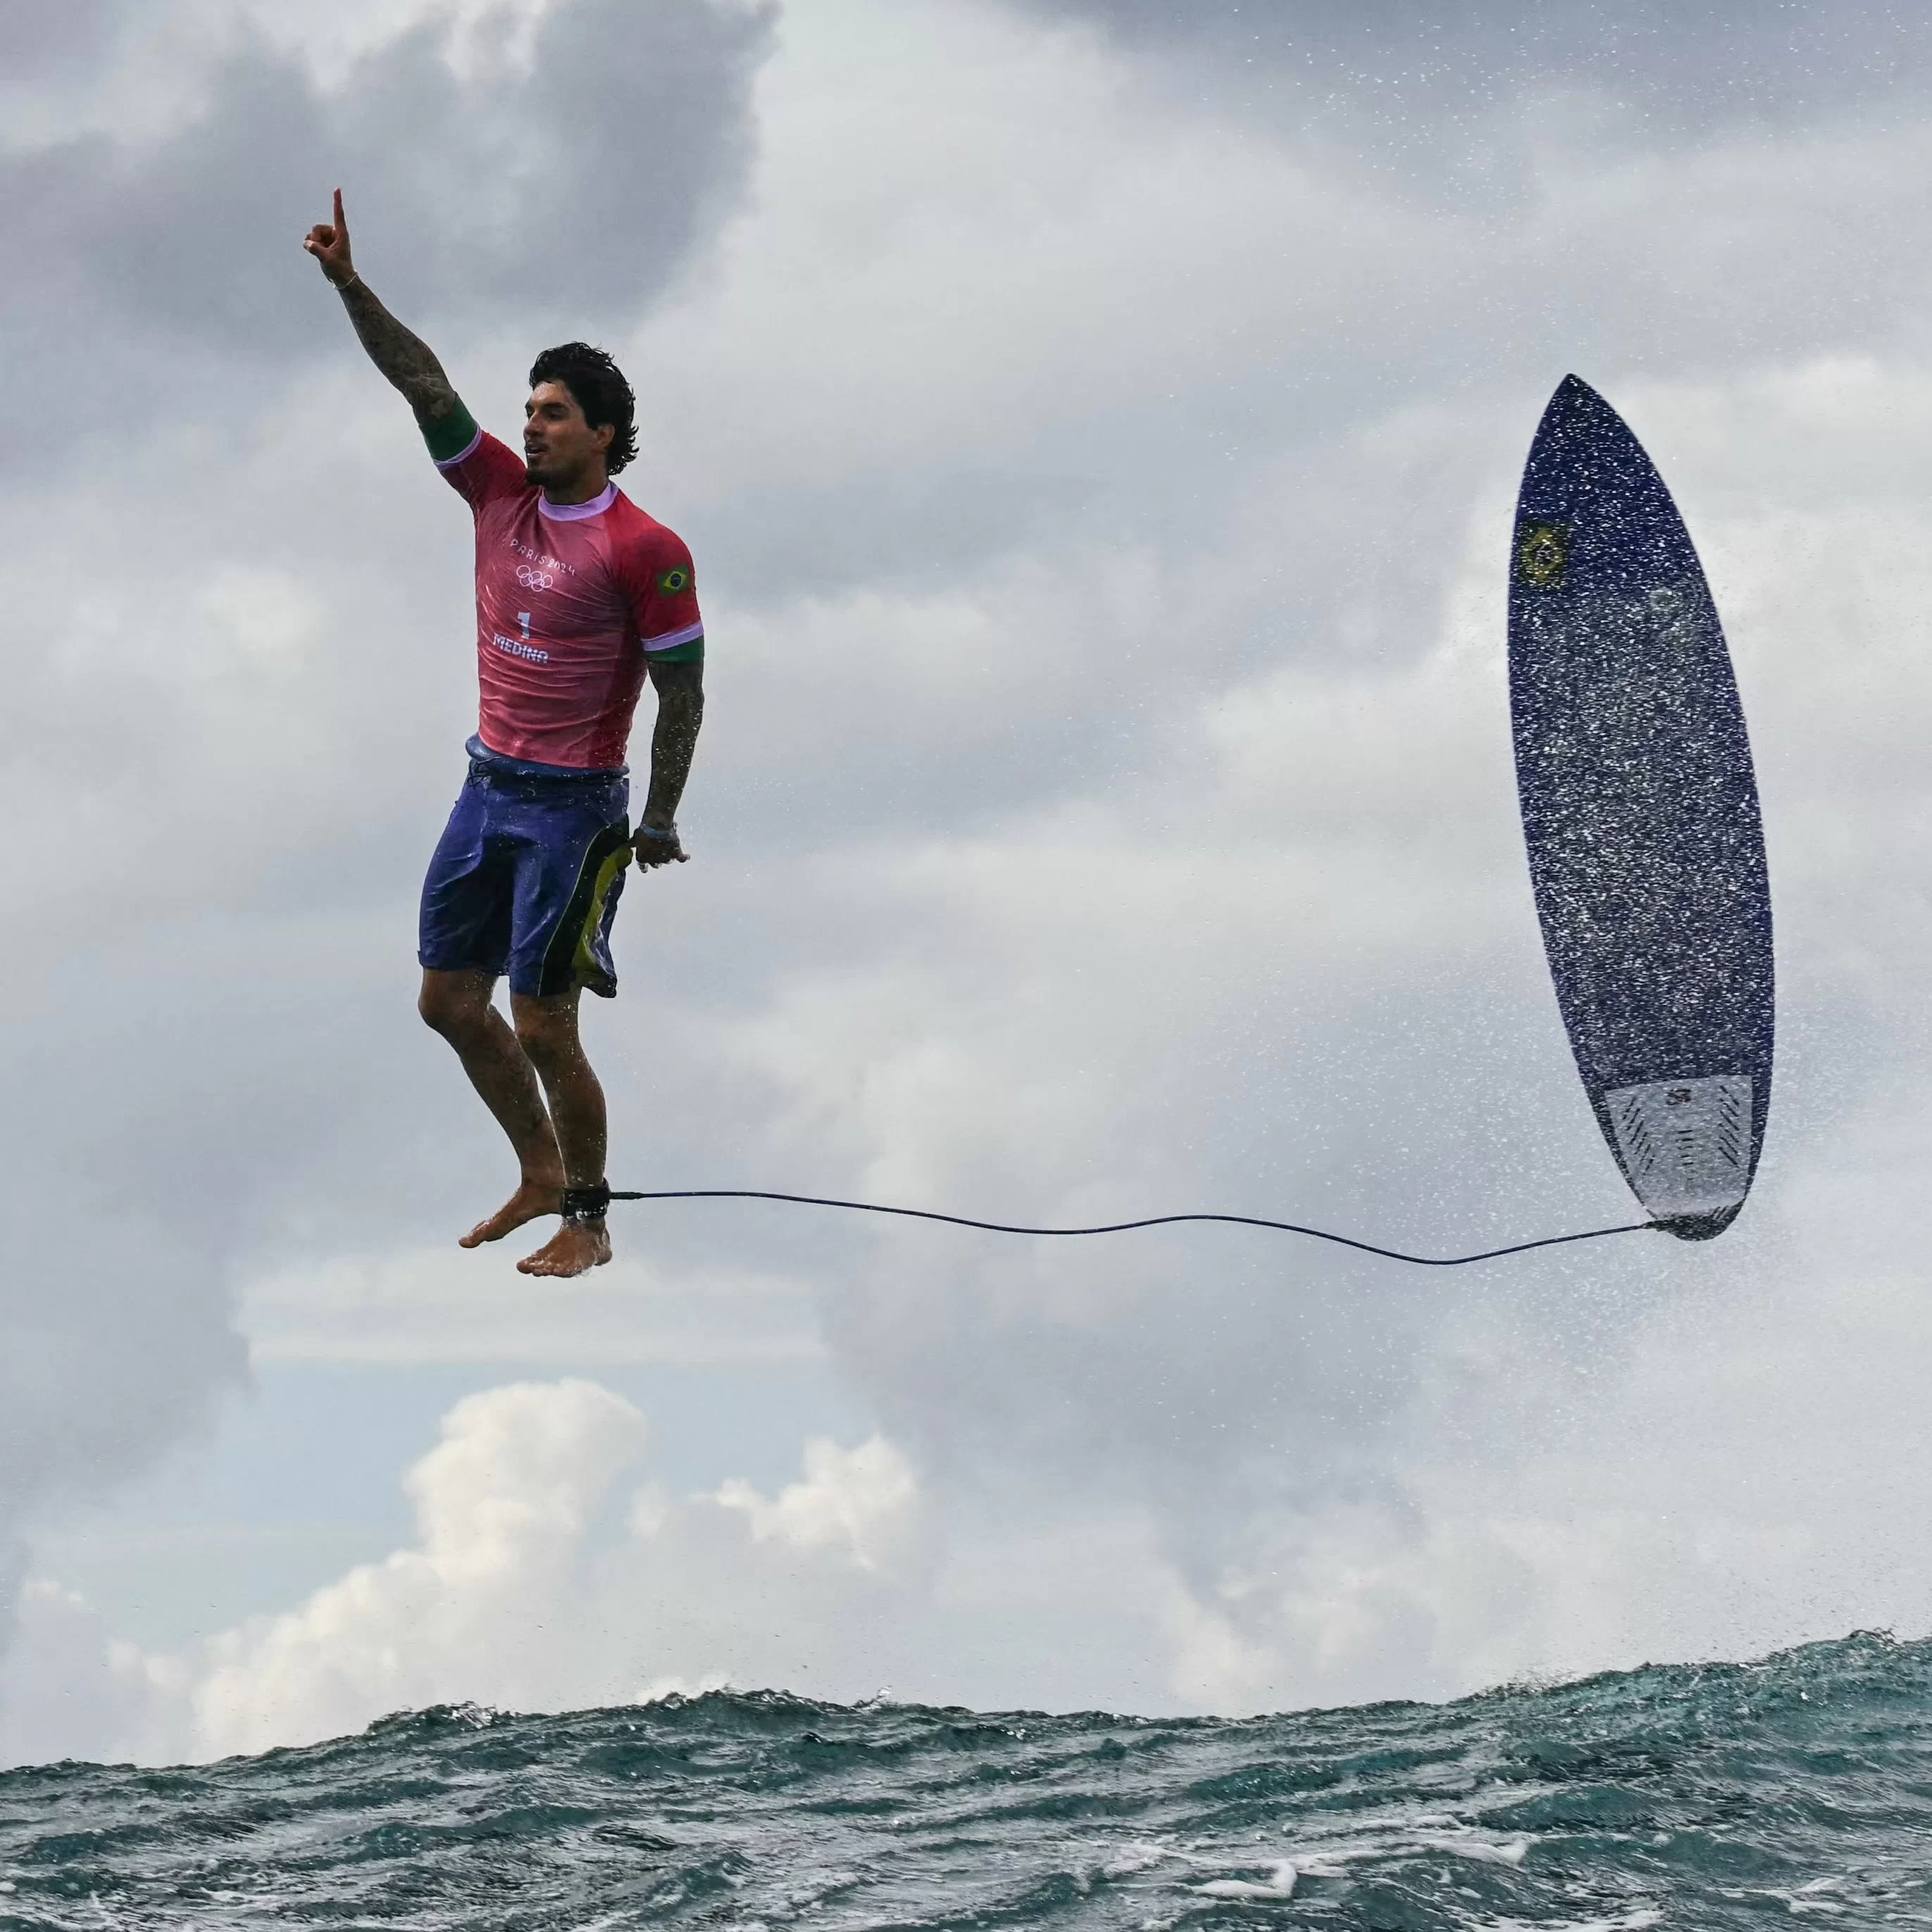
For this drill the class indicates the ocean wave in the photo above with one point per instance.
(1708, 1796)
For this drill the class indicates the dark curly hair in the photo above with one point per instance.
(601, 394)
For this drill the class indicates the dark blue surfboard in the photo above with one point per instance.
(1640, 812)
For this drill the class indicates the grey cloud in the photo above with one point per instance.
(37, 37)
(107, 1352)
(1400, 75)
(1480, 313)
(562, 196)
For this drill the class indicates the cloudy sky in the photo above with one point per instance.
(1095, 422)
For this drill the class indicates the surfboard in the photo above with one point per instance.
(1640, 813)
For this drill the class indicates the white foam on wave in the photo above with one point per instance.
(1510, 1852)
(1235, 1877)
(1330, 1858)
(1644, 1916)
(1137, 1855)
(1279, 1884)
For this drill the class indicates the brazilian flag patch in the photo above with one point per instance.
(1542, 554)
(675, 579)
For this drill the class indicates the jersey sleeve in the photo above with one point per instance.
(474, 464)
(664, 594)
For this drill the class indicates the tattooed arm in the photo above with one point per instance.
(680, 688)
(405, 359)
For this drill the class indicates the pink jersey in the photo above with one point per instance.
(570, 597)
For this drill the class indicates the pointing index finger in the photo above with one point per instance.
(338, 212)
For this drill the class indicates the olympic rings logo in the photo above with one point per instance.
(534, 580)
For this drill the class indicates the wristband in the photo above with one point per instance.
(656, 831)
(343, 288)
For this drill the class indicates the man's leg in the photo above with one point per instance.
(547, 1034)
(458, 1006)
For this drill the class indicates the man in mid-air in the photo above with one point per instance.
(579, 596)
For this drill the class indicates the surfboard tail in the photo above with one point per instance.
(1685, 1147)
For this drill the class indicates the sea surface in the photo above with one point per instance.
(1711, 1796)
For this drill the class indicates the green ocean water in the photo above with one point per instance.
(1708, 1796)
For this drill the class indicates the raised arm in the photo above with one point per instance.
(405, 359)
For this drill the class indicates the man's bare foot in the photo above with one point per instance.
(576, 1248)
(534, 1197)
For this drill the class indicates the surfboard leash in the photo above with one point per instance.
(588, 1200)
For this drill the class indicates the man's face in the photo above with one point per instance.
(558, 445)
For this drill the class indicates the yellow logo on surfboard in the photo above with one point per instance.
(1542, 554)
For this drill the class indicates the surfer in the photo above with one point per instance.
(579, 597)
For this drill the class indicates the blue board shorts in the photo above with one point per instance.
(526, 879)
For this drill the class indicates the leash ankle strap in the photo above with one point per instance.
(585, 1204)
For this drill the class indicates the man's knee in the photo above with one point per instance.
(453, 1005)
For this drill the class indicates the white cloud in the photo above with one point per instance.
(858, 1501)
(482, 1605)
(520, 1589)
